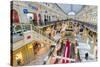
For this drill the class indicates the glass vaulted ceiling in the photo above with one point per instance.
(71, 9)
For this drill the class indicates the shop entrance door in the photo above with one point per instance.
(35, 19)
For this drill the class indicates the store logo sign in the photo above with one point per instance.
(25, 11)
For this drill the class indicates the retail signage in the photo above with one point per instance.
(25, 11)
(33, 7)
(28, 37)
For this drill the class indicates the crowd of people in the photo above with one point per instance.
(65, 48)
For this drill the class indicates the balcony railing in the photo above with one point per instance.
(17, 31)
(51, 22)
(87, 24)
(18, 34)
(38, 30)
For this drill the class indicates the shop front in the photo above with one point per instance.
(19, 56)
(23, 55)
(29, 52)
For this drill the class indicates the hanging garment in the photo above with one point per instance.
(67, 52)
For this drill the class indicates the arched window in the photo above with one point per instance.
(14, 16)
(35, 16)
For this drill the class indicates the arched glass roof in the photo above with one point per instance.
(71, 8)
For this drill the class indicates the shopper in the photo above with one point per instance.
(19, 61)
(72, 53)
(56, 52)
(45, 21)
(86, 56)
(49, 35)
(81, 28)
(58, 48)
(76, 43)
(62, 47)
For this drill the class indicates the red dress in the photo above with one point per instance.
(67, 52)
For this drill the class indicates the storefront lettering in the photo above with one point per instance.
(33, 7)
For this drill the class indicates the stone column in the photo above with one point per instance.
(94, 45)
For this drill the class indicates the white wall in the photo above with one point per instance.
(22, 16)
